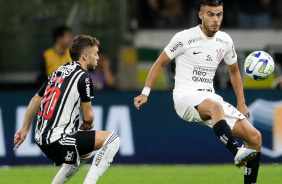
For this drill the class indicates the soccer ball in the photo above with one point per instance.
(259, 65)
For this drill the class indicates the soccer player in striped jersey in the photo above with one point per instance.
(197, 52)
(59, 100)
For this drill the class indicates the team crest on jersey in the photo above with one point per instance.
(219, 54)
(69, 156)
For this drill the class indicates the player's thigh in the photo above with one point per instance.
(89, 141)
(100, 137)
(185, 105)
(85, 141)
(186, 111)
(245, 131)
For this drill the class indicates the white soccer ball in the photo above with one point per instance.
(259, 65)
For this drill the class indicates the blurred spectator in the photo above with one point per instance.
(102, 76)
(251, 14)
(159, 13)
(254, 14)
(171, 14)
(190, 13)
(58, 54)
(148, 13)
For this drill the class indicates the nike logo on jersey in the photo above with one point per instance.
(196, 53)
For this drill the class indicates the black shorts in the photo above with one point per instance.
(68, 149)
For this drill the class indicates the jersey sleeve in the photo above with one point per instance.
(42, 89)
(230, 57)
(85, 88)
(175, 46)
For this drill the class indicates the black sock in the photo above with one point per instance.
(223, 131)
(251, 170)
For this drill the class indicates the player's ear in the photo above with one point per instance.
(200, 15)
(85, 56)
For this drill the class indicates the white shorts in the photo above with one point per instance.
(184, 104)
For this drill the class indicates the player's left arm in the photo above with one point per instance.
(87, 116)
(85, 89)
(236, 82)
(32, 109)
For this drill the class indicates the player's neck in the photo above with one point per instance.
(206, 32)
(83, 65)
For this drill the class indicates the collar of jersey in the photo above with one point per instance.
(79, 65)
(203, 34)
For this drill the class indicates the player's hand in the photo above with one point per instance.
(19, 138)
(85, 126)
(139, 100)
(244, 109)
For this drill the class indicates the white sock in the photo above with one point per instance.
(103, 158)
(69, 170)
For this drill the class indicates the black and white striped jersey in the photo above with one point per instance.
(62, 94)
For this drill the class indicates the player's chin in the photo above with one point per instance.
(91, 68)
(214, 29)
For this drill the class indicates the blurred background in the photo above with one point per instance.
(132, 34)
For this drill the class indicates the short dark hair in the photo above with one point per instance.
(213, 3)
(59, 31)
(79, 43)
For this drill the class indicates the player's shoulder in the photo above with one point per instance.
(187, 34)
(183, 32)
(84, 81)
(224, 35)
(86, 77)
(86, 74)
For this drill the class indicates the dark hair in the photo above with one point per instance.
(213, 3)
(59, 31)
(79, 43)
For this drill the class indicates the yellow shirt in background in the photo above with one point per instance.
(53, 60)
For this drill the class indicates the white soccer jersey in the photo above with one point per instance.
(197, 57)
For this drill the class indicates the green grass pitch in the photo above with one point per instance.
(145, 174)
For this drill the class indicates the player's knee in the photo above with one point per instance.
(86, 155)
(258, 138)
(255, 139)
(216, 108)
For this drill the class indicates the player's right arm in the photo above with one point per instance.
(172, 50)
(32, 109)
(162, 61)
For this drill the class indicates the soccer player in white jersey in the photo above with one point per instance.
(67, 90)
(197, 52)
